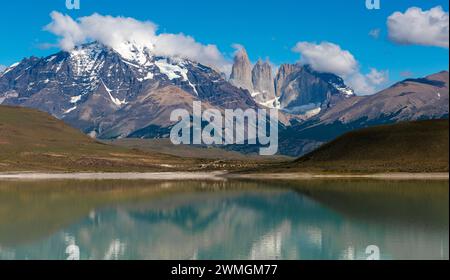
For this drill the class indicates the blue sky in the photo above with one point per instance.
(266, 28)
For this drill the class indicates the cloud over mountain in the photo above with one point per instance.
(367, 84)
(329, 57)
(114, 31)
(419, 27)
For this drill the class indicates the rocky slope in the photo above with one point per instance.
(301, 90)
(413, 99)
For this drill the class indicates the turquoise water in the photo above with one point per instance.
(225, 220)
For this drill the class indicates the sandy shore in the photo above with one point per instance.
(309, 176)
(217, 175)
(164, 176)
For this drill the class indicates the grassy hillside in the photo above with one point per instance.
(31, 140)
(34, 141)
(164, 146)
(419, 147)
(408, 147)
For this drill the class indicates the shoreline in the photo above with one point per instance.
(151, 176)
(215, 176)
(316, 176)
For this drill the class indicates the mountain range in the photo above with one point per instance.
(109, 93)
(128, 92)
(410, 100)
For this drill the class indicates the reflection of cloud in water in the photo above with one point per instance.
(7, 254)
(115, 251)
(348, 253)
(315, 236)
(269, 247)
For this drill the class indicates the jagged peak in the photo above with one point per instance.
(263, 63)
(241, 53)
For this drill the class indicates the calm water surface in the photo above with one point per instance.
(224, 220)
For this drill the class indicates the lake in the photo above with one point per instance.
(302, 220)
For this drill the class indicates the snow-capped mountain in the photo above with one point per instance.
(97, 88)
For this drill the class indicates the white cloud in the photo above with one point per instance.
(114, 31)
(329, 57)
(239, 50)
(366, 84)
(375, 33)
(418, 27)
(376, 77)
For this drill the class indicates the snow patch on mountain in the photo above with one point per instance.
(70, 110)
(10, 68)
(116, 101)
(171, 71)
(148, 76)
(11, 94)
(75, 99)
(85, 60)
(134, 52)
(272, 104)
(175, 71)
(308, 110)
(347, 91)
(50, 59)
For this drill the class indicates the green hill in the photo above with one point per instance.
(405, 147)
(31, 140)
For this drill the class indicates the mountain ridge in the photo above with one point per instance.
(93, 85)
(404, 101)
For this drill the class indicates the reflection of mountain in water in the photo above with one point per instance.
(424, 203)
(247, 224)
